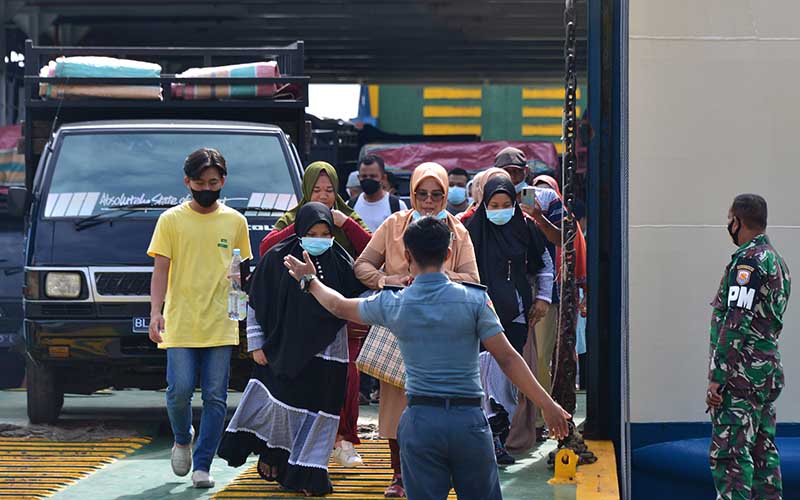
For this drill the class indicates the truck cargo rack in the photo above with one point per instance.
(44, 114)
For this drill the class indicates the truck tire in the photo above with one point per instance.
(45, 398)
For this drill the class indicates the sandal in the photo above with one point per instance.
(501, 455)
(395, 490)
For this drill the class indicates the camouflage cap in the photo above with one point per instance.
(510, 157)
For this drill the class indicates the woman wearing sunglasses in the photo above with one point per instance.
(384, 263)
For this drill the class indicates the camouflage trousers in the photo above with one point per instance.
(744, 460)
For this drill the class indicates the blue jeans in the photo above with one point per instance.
(214, 364)
(440, 447)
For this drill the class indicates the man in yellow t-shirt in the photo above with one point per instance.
(192, 247)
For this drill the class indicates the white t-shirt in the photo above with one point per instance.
(374, 213)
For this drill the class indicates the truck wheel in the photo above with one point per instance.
(45, 399)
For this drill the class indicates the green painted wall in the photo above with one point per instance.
(501, 119)
(496, 112)
(400, 108)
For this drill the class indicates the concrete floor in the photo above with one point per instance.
(146, 474)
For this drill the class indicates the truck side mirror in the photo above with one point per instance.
(18, 201)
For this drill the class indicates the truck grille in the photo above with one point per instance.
(61, 310)
(123, 310)
(132, 284)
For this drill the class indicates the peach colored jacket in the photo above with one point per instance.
(385, 253)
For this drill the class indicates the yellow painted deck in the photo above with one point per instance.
(363, 483)
(38, 468)
(598, 481)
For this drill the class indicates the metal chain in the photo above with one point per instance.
(566, 366)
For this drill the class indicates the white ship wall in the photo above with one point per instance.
(714, 111)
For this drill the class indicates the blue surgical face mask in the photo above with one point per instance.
(500, 217)
(316, 246)
(441, 215)
(519, 187)
(457, 195)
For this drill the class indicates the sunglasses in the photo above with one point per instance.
(434, 195)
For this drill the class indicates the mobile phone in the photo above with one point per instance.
(528, 195)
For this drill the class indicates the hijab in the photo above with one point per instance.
(430, 170)
(394, 251)
(296, 327)
(481, 180)
(506, 254)
(469, 189)
(310, 178)
(580, 241)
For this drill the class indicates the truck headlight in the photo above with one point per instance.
(59, 285)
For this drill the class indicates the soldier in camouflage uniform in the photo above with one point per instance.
(746, 376)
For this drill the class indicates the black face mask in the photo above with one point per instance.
(734, 234)
(370, 186)
(205, 198)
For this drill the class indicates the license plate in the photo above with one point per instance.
(141, 325)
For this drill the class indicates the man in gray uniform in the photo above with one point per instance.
(444, 436)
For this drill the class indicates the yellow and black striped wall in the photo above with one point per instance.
(494, 112)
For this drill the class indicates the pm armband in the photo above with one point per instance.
(744, 285)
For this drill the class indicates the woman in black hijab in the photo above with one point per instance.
(512, 260)
(511, 255)
(289, 412)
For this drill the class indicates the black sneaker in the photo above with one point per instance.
(501, 454)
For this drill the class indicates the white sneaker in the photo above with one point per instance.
(346, 455)
(202, 479)
(182, 457)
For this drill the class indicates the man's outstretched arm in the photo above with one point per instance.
(328, 298)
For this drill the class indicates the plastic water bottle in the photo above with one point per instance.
(237, 298)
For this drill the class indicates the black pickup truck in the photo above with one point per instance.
(100, 172)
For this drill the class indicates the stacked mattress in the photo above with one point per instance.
(100, 67)
(221, 91)
(109, 67)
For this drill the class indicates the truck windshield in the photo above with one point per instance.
(99, 172)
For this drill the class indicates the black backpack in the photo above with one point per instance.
(394, 203)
